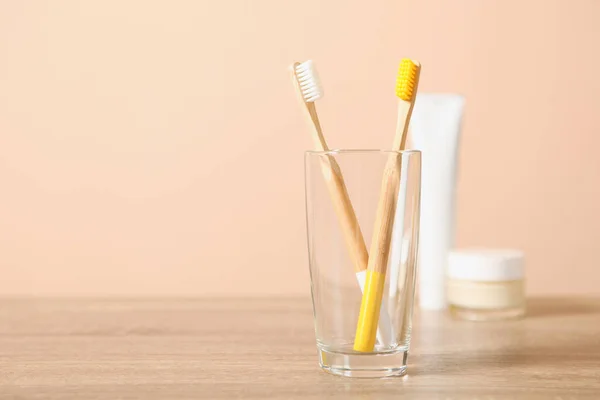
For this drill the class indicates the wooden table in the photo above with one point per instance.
(259, 348)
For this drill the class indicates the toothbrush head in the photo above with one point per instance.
(308, 80)
(408, 74)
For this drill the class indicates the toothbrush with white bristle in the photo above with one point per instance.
(309, 88)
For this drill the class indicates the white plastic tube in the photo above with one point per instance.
(435, 130)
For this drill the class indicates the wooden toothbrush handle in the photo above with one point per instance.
(344, 210)
(384, 219)
(355, 242)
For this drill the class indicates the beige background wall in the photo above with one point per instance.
(154, 147)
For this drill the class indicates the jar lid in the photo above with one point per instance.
(486, 265)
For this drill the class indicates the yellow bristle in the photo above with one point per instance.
(407, 76)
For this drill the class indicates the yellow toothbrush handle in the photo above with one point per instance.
(366, 329)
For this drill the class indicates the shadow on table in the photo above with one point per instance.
(553, 306)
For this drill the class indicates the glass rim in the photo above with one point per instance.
(354, 151)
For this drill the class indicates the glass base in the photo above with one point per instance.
(364, 365)
(475, 314)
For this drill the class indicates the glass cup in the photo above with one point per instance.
(343, 189)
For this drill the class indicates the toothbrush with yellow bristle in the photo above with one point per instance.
(372, 304)
(309, 89)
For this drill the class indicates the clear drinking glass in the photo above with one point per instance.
(335, 262)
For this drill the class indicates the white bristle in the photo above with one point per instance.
(310, 85)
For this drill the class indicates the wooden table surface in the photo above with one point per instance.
(259, 348)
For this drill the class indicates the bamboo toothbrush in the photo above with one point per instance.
(309, 88)
(406, 89)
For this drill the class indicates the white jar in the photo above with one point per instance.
(486, 285)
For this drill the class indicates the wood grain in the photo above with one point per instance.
(261, 348)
